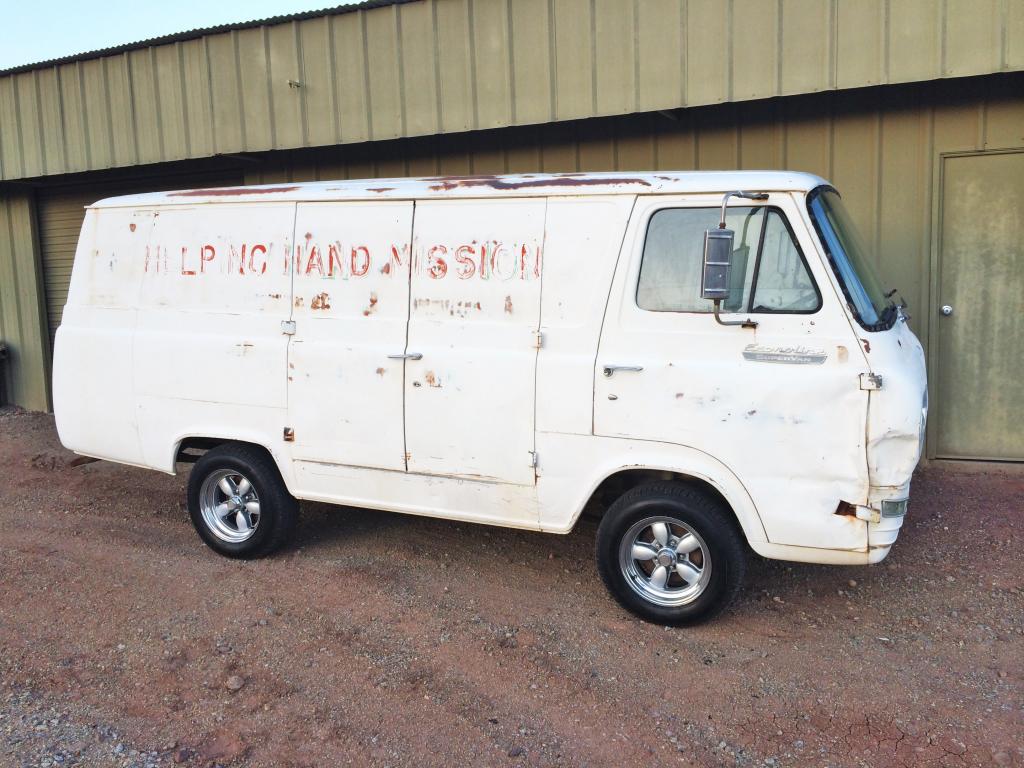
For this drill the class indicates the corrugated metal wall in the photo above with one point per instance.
(878, 146)
(22, 320)
(446, 66)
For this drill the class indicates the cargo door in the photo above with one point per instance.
(472, 351)
(351, 308)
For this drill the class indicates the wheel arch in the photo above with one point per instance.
(187, 449)
(617, 481)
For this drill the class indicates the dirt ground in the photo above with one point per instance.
(382, 639)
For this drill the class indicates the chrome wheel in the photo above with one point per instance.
(665, 562)
(230, 506)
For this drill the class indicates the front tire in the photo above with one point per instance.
(670, 554)
(238, 502)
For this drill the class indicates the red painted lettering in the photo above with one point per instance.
(396, 257)
(466, 266)
(206, 255)
(483, 261)
(315, 261)
(500, 259)
(233, 255)
(184, 253)
(262, 250)
(436, 265)
(363, 266)
(334, 259)
(524, 262)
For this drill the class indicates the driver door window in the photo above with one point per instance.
(768, 273)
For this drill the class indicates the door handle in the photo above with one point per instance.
(610, 369)
(407, 356)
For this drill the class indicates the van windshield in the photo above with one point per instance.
(851, 260)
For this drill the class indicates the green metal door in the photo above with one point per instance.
(979, 391)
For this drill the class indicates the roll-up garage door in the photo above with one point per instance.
(62, 210)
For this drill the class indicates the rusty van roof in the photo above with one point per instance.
(520, 185)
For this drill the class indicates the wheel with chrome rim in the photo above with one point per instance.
(664, 561)
(671, 553)
(230, 505)
(238, 502)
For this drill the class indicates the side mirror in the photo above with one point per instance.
(714, 284)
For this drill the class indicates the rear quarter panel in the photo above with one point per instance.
(93, 387)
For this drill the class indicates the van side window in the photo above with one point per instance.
(768, 274)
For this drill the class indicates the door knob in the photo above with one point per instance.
(946, 310)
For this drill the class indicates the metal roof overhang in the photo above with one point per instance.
(387, 69)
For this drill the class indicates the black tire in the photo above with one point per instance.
(704, 516)
(278, 509)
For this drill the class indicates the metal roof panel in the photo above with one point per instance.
(518, 185)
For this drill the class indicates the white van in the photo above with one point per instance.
(706, 368)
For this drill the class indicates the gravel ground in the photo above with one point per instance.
(383, 639)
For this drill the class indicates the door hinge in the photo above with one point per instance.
(538, 339)
(533, 459)
(870, 381)
(288, 327)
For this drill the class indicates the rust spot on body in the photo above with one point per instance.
(846, 509)
(379, 189)
(380, 371)
(867, 345)
(373, 306)
(448, 183)
(231, 191)
(508, 305)
(431, 380)
(274, 295)
(131, 227)
(321, 301)
(298, 301)
(842, 354)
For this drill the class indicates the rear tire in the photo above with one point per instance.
(238, 502)
(671, 554)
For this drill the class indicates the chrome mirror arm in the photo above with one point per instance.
(748, 323)
(739, 193)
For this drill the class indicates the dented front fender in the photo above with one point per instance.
(896, 412)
